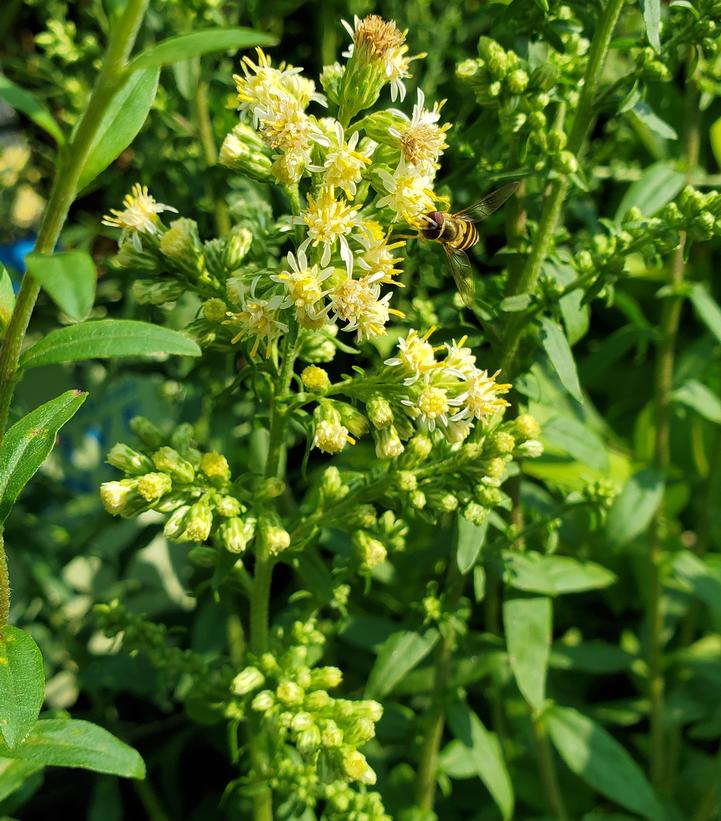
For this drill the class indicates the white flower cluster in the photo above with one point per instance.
(449, 393)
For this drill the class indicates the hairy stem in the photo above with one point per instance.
(663, 385)
(428, 764)
(210, 155)
(553, 204)
(4, 585)
(112, 74)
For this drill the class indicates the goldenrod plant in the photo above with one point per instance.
(335, 540)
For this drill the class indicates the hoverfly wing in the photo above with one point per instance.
(462, 274)
(487, 205)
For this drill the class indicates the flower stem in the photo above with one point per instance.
(553, 204)
(663, 384)
(428, 764)
(70, 166)
(4, 585)
(547, 769)
(263, 574)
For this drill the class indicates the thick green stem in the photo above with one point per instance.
(210, 155)
(543, 238)
(112, 74)
(263, 573)
(428, 764)
(663, 385)
(547, 770)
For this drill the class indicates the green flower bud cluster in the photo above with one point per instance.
(605, 256)
(697, 27)
(195, 488)
(290, 696)
(136, 634)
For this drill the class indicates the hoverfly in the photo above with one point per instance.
(457, 232)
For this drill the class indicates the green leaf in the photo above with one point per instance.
(708, 310)
(645, 114)
(68, 742)
(658, 185)
(13, 774)
(527, 625)
(652, 19)
(7, 298)
(469, 541)
(715, 140)
(567, 434)
(29, 441)
(69, 277)
(597, 758)
(399, 654)
(559, 352)
(590, 657)
(107, 339)
(553, 575)
(25, 102)
(698, 397)
(185, 46)
(121, 122)
(22, 684)
(703, 581)
(634, 507)
(483, 749)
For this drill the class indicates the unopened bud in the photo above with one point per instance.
(128, 460)
(379, 412)
(152, 292)
(215, 466)
(238, 244)
(152, 486)
(181, 244)
(198, 522)
(168, 460)
(315, 378)
(215, 310)
(388, 443)
(243, 150)
(236, 533)
(146, 431)
(247, 680)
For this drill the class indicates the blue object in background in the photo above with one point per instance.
(13, 256)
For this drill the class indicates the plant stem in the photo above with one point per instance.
(663, 385)
(210, 154)
(428, 764)
(543, 238)
(547, 769)
(4, 584)
(263, 573)
(70, 166)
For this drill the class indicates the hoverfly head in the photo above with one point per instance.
(432, 224)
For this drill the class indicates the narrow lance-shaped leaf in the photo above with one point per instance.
(121, 122)
(67, 742)
(399, 654)
(559, 352)
(694, 394)
(22, 684)
(107, 339)
(484, 750)
(185, 46)
(553, 575)
(29, 441)
(469, 542)
(25, 102)
(708, 310)
(596, 757)
(527, 625)
(69, 277)
(7, 298)
(652, 19)
(634, 507)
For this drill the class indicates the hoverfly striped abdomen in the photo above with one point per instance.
(466, 235)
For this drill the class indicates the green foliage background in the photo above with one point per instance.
(67, 555)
